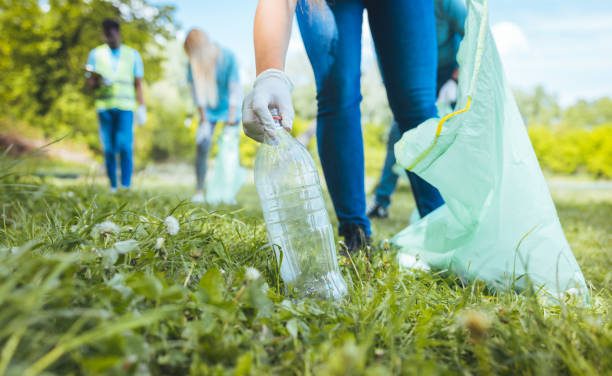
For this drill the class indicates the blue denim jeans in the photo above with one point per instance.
(404, 36)
(117, 136)
(388, 179)
(201, 164)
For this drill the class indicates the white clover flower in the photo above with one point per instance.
(159, 243)
(104, 229)
(252, 274)
(411, 263)
(172, 225)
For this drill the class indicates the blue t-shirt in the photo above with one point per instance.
(450, 20)
(115, 54)
(227, 79)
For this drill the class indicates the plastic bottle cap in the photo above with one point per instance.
(276, 116)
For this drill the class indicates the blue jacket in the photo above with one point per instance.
(450, 20)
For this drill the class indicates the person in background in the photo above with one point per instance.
(450, 20)
(215, 86)
(404, 34)
(114, 72)
(447, 96)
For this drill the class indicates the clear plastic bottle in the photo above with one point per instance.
(296, 218)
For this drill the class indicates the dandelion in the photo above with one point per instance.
(252, 274)
(159, 243)
(105, 228)
(172, 225)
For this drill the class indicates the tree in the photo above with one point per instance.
(538, 107)
(589, 114)
(43, 51)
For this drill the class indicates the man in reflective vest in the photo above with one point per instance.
(115, 72)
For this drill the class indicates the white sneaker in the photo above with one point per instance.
(198, 198)
(113, 190)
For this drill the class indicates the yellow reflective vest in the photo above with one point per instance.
(117, 89)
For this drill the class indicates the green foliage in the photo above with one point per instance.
(71, 115)
(305, 102)
(588, 114)
(78, 298)
(576, 139)
(538, 107)
(599, 157)
(569, 150)
(375, 143)
(248, 149)
(164, 137)
(42, 55)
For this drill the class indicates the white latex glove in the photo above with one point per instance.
(141, 115)
(272, 89)
(204, 132)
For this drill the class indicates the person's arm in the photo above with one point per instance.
(199, 104)
(93, 79)
(139, 91)
(202, 114)
(272, 88)
(271, 33)
(138, 76)
(141, 113)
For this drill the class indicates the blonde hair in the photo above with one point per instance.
(203, 55)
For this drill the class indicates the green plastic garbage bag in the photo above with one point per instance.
(499, 223)
(227, 176)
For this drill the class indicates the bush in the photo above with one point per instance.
(569, 150)
(165, 136)
(599, 160)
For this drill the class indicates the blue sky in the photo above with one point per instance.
(565, 45)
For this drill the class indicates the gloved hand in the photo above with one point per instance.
(141, 115)
(272, 89)
(233, 122)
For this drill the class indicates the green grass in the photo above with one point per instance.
(74, 301)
